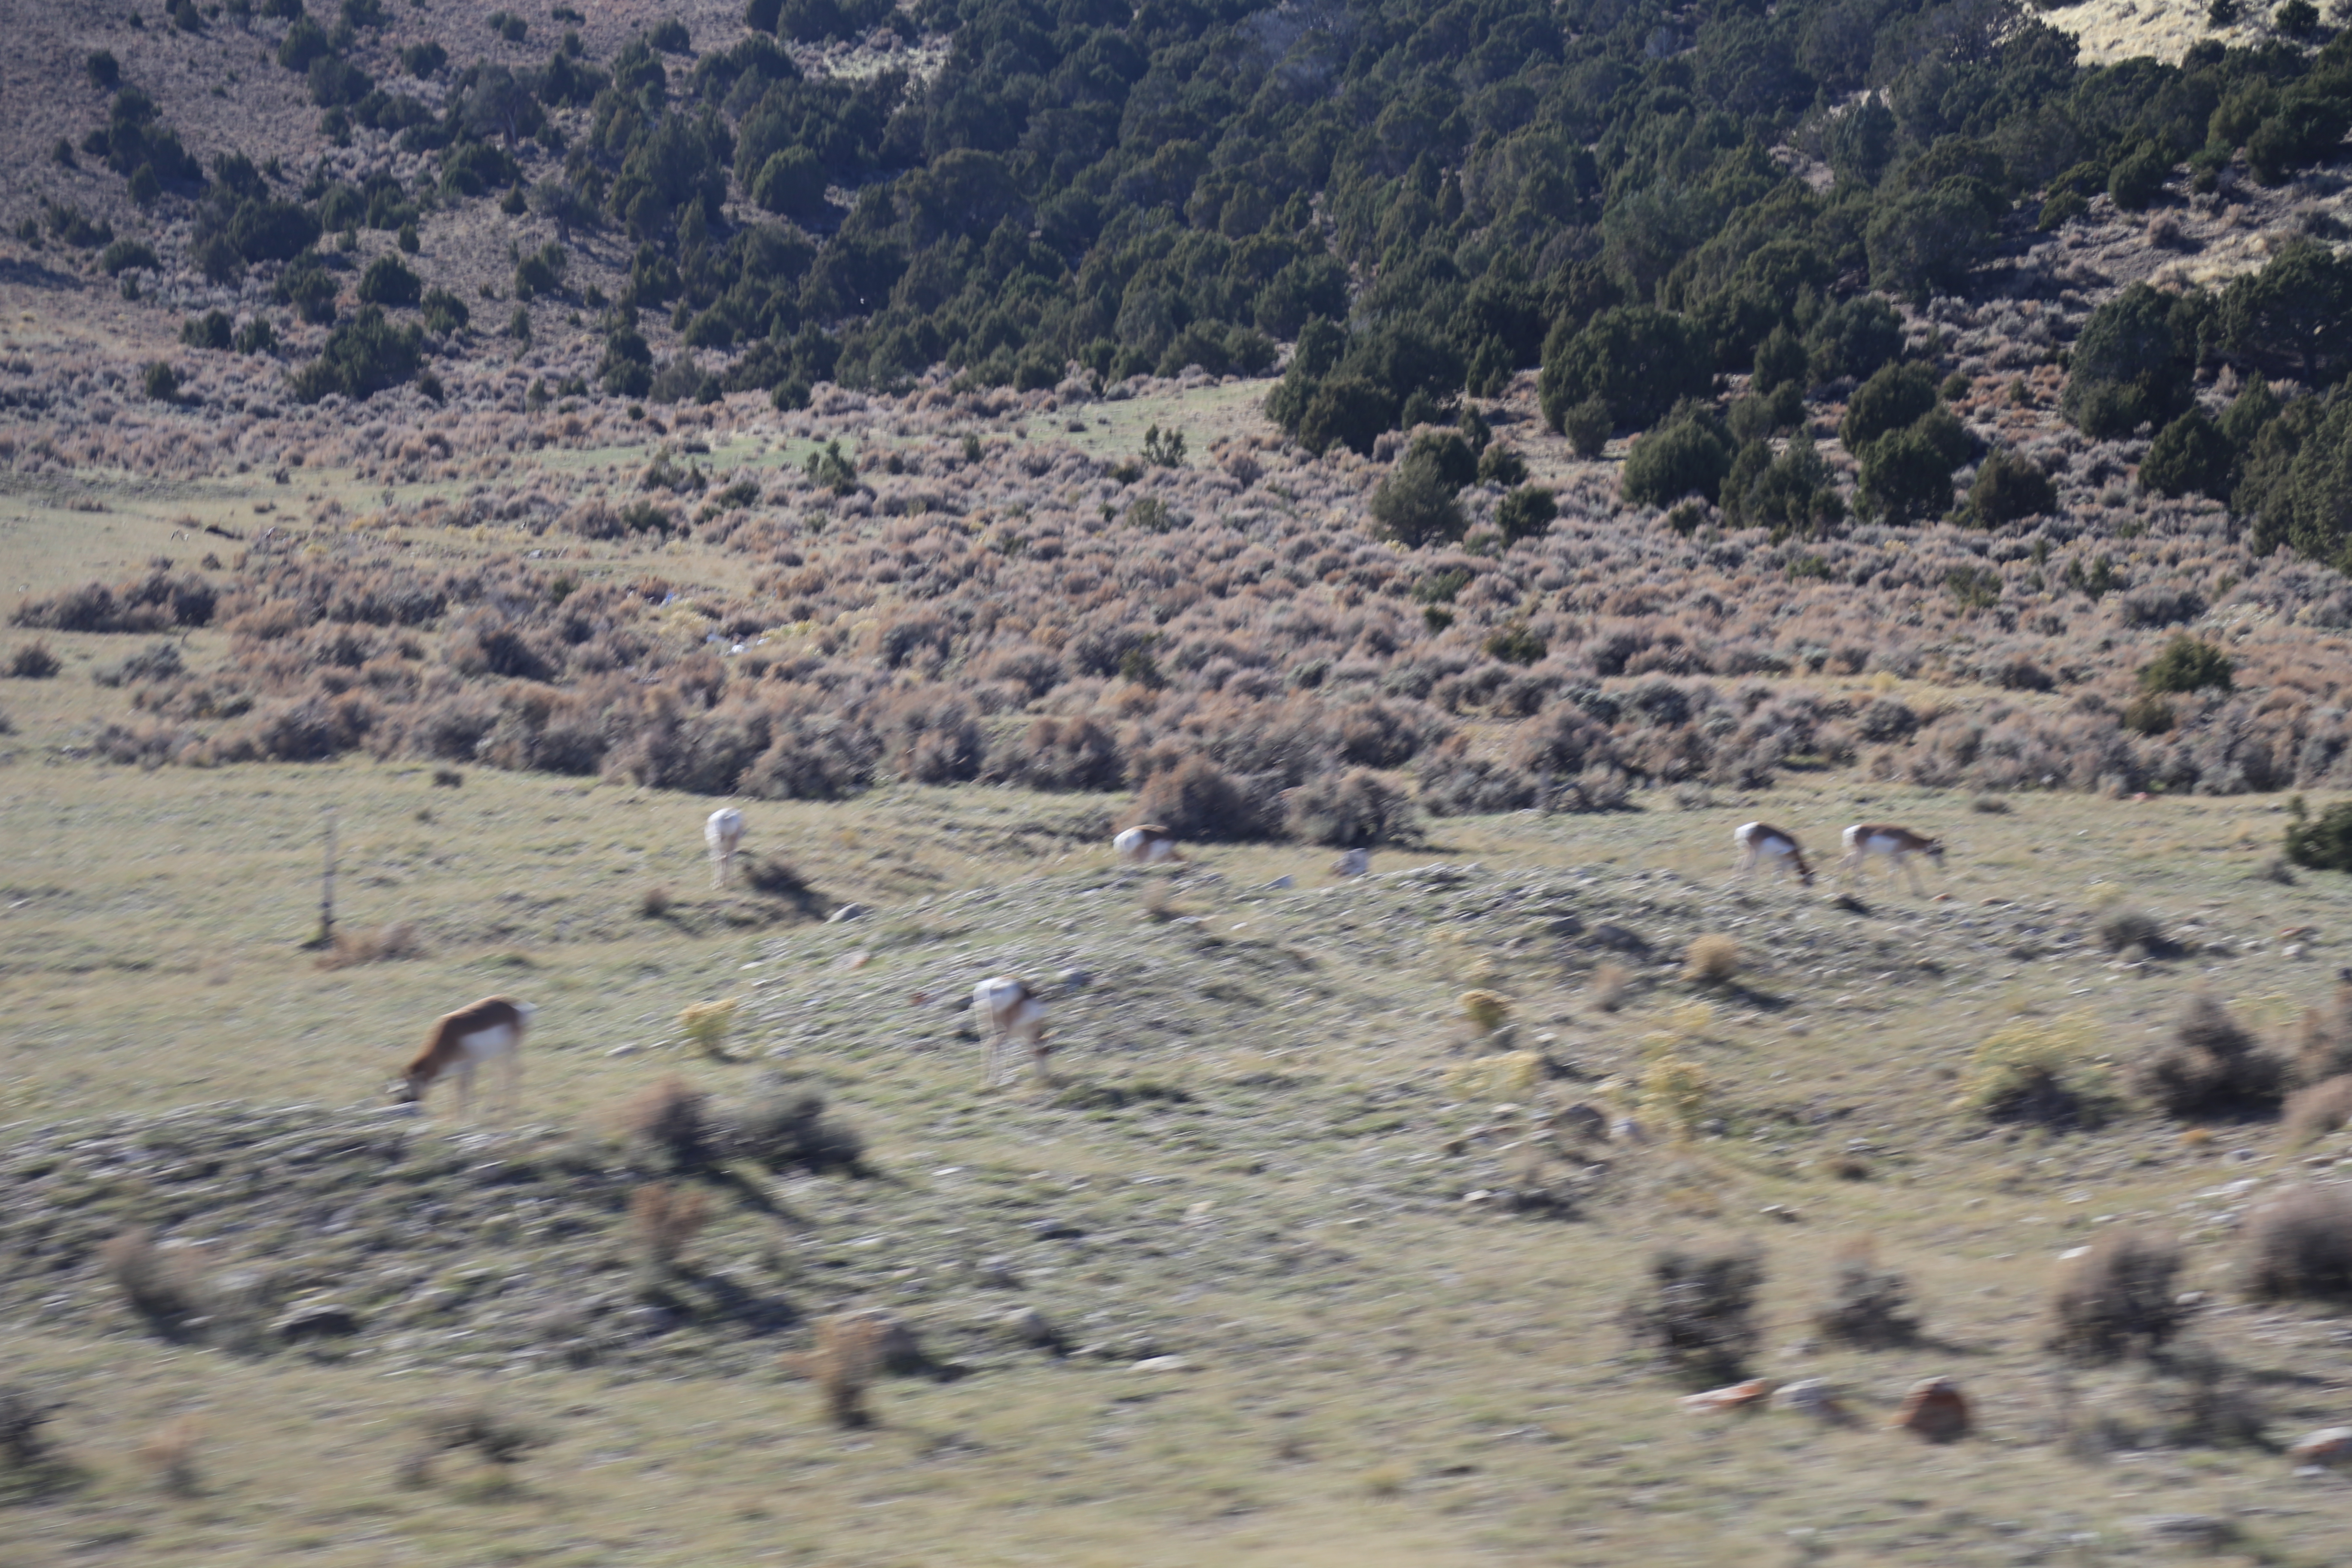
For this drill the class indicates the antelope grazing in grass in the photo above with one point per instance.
(1011, 1008)
(1864, 839)
(1759, 839)
(723, 833)
(491, 1030)
(1146, 844)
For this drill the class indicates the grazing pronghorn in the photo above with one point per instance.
(1757, 839)
(1011, 1007)
(723, 832)
(1146, 844)
(1864, 839)
(491, 1030)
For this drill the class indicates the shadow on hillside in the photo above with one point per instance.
(34, 275)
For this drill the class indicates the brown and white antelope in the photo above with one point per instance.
(1146, 844)
(1864, 839)
(723, 833)
(1759, 839)
(1011, 1008)
(491, 1030)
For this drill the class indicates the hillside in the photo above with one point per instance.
(443, 455)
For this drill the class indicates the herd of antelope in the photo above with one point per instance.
(491, 1030)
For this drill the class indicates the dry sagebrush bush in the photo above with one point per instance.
(162, 1285)
(2042, 1074)
(2300, 1245)
(1611, 983)
(401, 940)
(170, 1452)
(1869, 1306)
(706, 1026)
(1713, 959)
(32, 661)
(2325, 1107)
(1675, 1093)
(1699, 1313)
(669, 1117)
(2119, 1298)
(778, 1127)
(1487, 1011)
(662, 1220)
(849, 1354)
(2210, 1066)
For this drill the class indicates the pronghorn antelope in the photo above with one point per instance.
(1011, 1008)
(1146, 844)
(490, 1030)
(1864, 839)
(723, 833)
(1757, 839)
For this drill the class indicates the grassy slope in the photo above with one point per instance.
(1383, 1374)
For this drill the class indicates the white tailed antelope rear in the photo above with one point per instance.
(1011, 1009)
(1146, 844)
(491, 1030)
(1758, 840)
(1864, 839)
(723, 833)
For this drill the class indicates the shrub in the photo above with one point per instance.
(1868, 1307)
(1892, 399)
(2138, 178)
(2008, 487)
(2127, 366)
(2189, 454)
(1713, 959)
(1415, 505)
(1689, 457)
(161, 381)
(1674, 1091)
(363, 357)
(662, 1220)
(388, 282)
(1612, 981)
(669, 1117)
(791, 183)
(163, 1287)
(22, 1416)
(1906, 477)
(2042, 1075)
(2325, 1107)
(1350, 810)
(779, 1127)
(209, 331)
(2119, 1298)
(1587, 425)
(1636, 359)
(2124, 927)
(2210, 1066)
(1699, 1315)
(1525, 512)
(2300, 1245)
(849, 1353)
(705, 1025)
(1197, 800)
(400, 940)
(499, 1441)
(1516, 642)
(446, 313)
(2323, 1041)
(32, 661)
(1500, 464)
(2188, 665)
(124, 255)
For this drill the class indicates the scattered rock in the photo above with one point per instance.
(1056, 1230)
(314, 1320)
(1934, 1410)
(1162, 1364)
(1736, 1397)
(1810, 1396)
(1782, 1212)
(1354, 863)
(1076, 979)
(846, 913)
(1281, 882)
(997, 1273)
(1617, 939)
(1625, 1130)
(2325, 1448)
(626, 1048)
